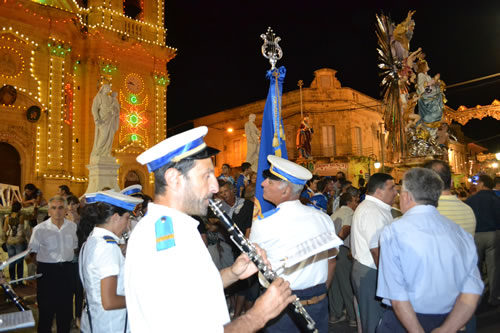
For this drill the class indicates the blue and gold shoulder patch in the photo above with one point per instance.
(269, 213)
(164, 231)
(110, 240)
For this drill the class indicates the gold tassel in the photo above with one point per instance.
(282, 134)
(276, 143)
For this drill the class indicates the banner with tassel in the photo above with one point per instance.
(272, 140)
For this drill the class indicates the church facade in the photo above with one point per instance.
(54, 57)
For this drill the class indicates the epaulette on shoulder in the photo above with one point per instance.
(164, 232)
(110, 240)
(269, 213)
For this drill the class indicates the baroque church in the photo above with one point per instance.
(54, 57)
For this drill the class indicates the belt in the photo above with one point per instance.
(313, 300)
(55, 264)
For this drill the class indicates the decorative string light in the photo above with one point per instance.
(134, 120)
(60, 92)
(18, 54)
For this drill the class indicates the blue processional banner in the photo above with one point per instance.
(272, 139)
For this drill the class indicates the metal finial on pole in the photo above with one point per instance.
(270, 49)
(300, 84)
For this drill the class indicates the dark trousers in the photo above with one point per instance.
(364, 282)
(18, 265)
(391, 324)
(495, 284)
(55, 296)
(318, 312)
(340, 294)
(78, 291)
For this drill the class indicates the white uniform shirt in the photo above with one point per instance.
(341, 217)
(53, 245)
(98, 260)
(371, 216)
(177, 289)
(279, 234)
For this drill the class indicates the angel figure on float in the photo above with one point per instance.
(401, 37)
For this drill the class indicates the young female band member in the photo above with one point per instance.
(101, 261)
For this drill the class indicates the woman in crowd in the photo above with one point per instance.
(101, 261)
(14, 230)
(33, 196)
(73, 211)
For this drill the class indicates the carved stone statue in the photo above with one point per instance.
(253, 134)
(106, 112)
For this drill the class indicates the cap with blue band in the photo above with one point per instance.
(115, 199)
(285, 176)
(287, 170)
(186, 145)
(132, 189)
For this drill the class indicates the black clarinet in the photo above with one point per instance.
(18, 301)
(296, 308)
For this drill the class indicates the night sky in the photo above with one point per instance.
(219, 64)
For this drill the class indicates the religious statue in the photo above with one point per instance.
(410, 134)
(430, 97)
(304, 135)
(401, 37)
(106, 112)
(253, 134)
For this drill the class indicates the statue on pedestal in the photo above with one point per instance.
(253, 135)
(304, 136)
(103, 169)
(106, 112)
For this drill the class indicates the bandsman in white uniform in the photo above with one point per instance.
(287, 228)
(171, 282)
(102, 263)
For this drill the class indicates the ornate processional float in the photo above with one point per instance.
(413, 100)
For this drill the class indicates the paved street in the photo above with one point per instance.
(488, 318)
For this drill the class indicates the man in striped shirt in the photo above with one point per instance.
(449, 205)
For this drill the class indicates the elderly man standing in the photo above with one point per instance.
(449, 205)
(53, 243)
(428, 265)
(291, 224)
(167, 262)
(371, 216)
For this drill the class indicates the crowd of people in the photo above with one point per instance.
(385, 256)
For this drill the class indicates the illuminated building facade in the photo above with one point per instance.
(54, 56)
(347, 127)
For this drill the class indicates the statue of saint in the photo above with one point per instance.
(106, 112)
(430, 97)
(304, 136)
(253, 135)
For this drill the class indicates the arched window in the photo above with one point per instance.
(132, 8)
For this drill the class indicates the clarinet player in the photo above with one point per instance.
(171, 283)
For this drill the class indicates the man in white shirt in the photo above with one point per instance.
(53, 243)
(371, 216)
(171, 282)
(285, 229)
